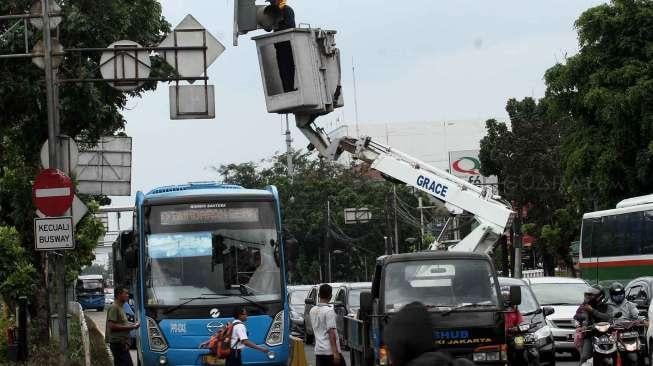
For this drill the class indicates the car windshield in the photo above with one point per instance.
(297, 297)
(440, 283)
(355, 297)
(528, 304)
(214, 252)
(559, 293)
(89, 285)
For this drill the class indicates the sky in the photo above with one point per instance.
(423, 60)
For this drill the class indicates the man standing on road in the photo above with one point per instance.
(118, 327)
(323, 321)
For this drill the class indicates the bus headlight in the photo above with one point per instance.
(275, 333)
(155, 336)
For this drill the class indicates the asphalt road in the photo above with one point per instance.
(100, 319)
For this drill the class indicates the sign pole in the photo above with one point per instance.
(53, 157)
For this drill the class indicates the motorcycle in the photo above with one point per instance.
(523, 345)
(629, 345)
(604, 343)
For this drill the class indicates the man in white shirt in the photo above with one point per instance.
(323, 321)
(239, 339)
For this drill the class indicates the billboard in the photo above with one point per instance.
(466, 165)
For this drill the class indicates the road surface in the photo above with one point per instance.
(100, 319)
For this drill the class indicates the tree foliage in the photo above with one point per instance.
(88, 110)
(602, 96)
(304, 208)
(526, 160)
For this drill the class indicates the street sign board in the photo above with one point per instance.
(68, 154)
(35, 10)
(190, 33)
(54, 233)
(122, 63)
(105, 168)
(466, 165)
(53, 192)
(192, 102)
(78, 210)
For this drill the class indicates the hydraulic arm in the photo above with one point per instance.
(493, 216)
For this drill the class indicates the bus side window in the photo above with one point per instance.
(647, 233)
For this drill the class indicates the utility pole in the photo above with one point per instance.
(396, 237)
(328, 240)
(517, 242)
(53, 158)
(289, 163)
(421, 223)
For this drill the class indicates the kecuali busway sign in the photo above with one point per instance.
(54, 233)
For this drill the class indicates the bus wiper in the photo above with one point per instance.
(465, 305)
(191, 299)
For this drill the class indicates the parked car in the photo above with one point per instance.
(310, 301)
(564, 294)
(639, 291)
(296, 296)
(346, 302)
(536, 315)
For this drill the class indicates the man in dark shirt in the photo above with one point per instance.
(592, 310)
(117, 330)
(285, 60)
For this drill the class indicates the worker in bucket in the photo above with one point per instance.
(285, 16)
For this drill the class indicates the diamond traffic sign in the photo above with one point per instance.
(190, 33)
(53, 192)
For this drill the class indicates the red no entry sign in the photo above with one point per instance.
(53, 192)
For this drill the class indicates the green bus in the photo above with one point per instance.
(617, 244)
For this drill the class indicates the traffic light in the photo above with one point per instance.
(249, 17)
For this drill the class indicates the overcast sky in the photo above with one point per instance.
(420, 60)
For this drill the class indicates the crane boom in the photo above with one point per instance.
(492, 214)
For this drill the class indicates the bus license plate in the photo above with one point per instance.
(212, 360)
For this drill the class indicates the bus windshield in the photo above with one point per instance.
(213, 253)
(440, 283)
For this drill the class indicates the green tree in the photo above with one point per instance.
(602, 96)
(88, 111)
(526, 160)
(304, 206)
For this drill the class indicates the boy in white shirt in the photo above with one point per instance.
(323, 320)
(239, 339)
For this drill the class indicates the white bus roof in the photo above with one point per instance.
(618, 211)
(636, 201)
(90, 277)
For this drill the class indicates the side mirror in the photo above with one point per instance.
(366, 302)
(515, 295)
(547, 310)
(131, 256)
(309, 302)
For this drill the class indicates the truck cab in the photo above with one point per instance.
(459, 289)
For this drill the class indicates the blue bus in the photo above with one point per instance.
(198, 252)
(89, 291)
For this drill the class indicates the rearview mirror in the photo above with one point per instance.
(515, 295)
(366, 302)
(547, 310)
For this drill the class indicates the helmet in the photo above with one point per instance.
(595, 294)
(617, 293)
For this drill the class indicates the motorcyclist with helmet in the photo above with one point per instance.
(618, 303)
(593, 310)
